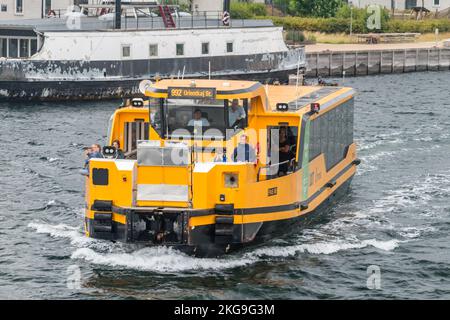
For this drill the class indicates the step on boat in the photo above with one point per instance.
(213, 165)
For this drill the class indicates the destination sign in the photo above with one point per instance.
(191, 93)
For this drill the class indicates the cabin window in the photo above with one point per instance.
(4, 8)
(33, 46)
(156, 108)
(331, 133)
(13, 48)
(3, 47)
(205, 48)
(180, 49)
(126, 51)
(197, 118)
(153, 50)
(19, 6)
(24, 48)
(229, 47)
(281, 150)
(132, 133)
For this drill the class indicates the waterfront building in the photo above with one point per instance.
(31, 9)
(432, 5)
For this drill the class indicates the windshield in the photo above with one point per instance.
(203, 118)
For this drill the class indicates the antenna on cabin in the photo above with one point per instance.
(296, 82)
(184, 69)
(118, 16)
(343, 77)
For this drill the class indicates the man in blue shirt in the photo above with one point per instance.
(244, 152)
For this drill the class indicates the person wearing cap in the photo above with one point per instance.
(244, 152)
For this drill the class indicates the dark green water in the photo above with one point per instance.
(396, 216)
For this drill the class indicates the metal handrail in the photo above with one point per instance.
(272, 165)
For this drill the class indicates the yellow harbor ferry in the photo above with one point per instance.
(182, 182)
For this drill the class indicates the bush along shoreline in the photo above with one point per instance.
(342, 25)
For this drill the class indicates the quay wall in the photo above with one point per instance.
(367, 62)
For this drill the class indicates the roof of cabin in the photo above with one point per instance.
(222, 86)
(296, 97)
(302, 96)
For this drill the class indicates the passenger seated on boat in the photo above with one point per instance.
(198, 120)
(93, 152)
(244, 152)
(235, 114)
(119, 153)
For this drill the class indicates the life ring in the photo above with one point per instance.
(51, 13)
(226, 18)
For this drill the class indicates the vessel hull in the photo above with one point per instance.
(203, 242)
(96, 80)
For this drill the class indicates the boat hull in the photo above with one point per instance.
(202, 241)
(95, 80)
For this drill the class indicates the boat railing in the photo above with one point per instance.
(273, 172)
(142, 20)
(197, 20)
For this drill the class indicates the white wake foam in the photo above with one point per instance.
(324, 247)
(74, 234)
(159, 259)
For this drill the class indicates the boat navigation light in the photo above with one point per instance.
(193, 84)
(137, 102)
(282, 107)
(315, 107)
(109, 152)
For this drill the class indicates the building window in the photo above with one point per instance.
(205, 48)
(19, 6)
(126, 51)
(409, 4)
(47, 7)
(4, 8)
(153, 50)
(229, 46)
(436, 3)
(180, 49)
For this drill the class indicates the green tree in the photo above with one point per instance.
(315, 8)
